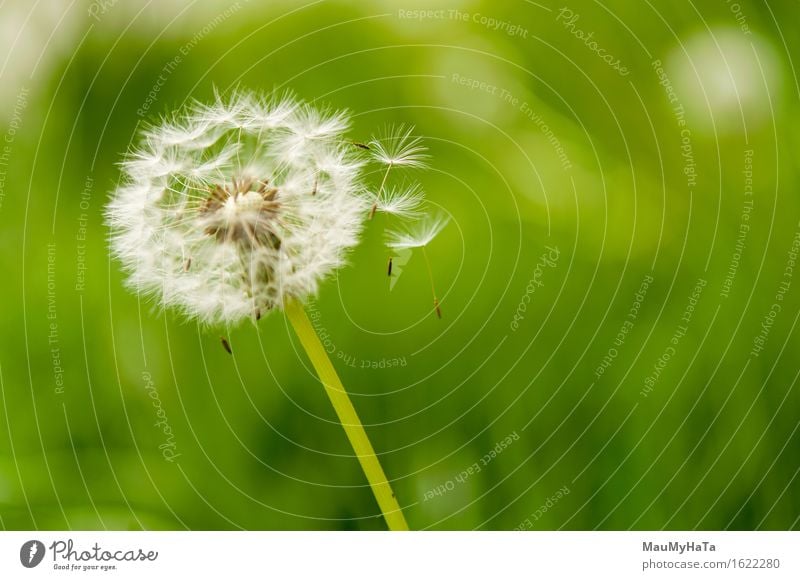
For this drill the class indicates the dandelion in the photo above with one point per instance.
(398, 147)
(396, 265)
(243, 206)
(419, 237)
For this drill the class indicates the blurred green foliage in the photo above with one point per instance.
(714, 445)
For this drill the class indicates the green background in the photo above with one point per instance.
(713, 445)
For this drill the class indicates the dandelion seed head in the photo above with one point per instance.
(231, 208)
(405, 202)
(398, 147)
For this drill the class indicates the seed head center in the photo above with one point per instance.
(244, 212)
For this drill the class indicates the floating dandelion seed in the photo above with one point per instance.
(404, 202)
(235, 207)
(242, 206)
(396, 148)
(399, 147)
(419, 237)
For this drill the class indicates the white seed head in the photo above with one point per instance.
(404, 202)
(398, 147)
(417, 236)
(229, 209)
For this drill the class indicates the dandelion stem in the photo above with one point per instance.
(433, 288)
(347, 416)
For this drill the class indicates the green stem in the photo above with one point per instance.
(347, 416)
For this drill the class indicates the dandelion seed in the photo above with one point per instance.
(389, 270)
(225, 344)
(264, 196)
(266, 114)
(398, 147)
(403, 202)
(420, 237)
